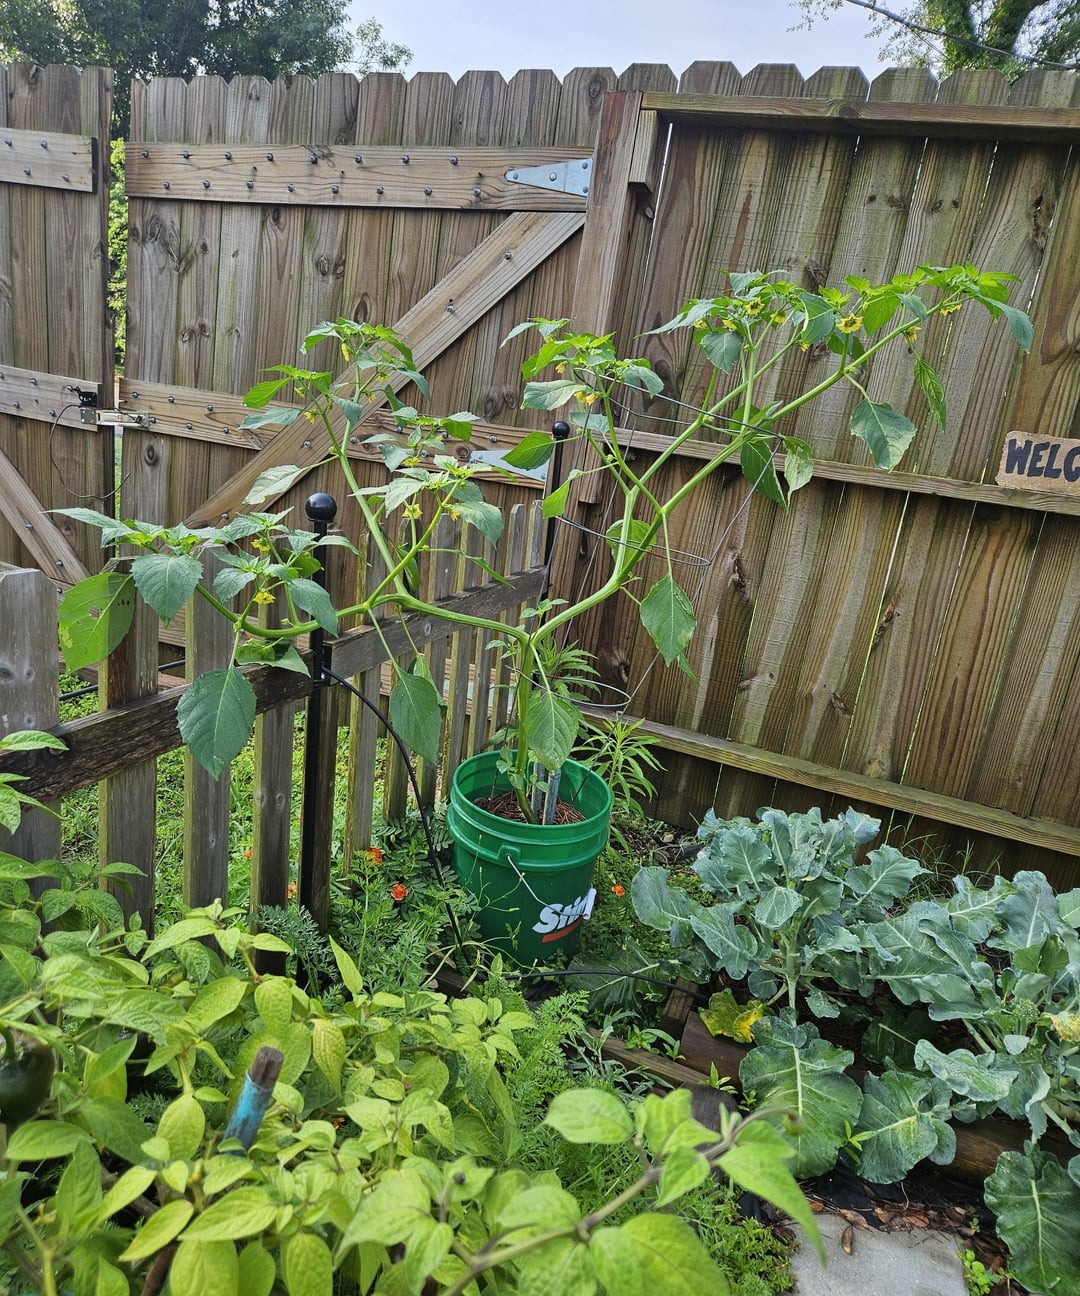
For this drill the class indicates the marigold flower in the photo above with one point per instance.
(375, 854)
(399, 891)
(618, 890)
(290, 890)
(850, 324)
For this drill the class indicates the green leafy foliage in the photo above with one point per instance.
(1037, 1206)
(386, 1158)
(259, 560)
(800, 901)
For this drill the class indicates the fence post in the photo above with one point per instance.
(29, 688)
(127, 802)
(206, 800)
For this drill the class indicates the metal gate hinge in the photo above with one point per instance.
(570, 177)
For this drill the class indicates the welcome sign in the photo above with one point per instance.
(1040, 463)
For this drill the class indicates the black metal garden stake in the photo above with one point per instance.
(321, 509)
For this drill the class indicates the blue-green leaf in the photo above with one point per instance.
(1037, 1206)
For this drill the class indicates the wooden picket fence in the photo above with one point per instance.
(118, 746)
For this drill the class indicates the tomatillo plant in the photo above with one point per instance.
(744, 335)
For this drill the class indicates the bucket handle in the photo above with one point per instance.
(509, 857)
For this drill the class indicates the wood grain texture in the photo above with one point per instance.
(867, 117)
(127, 802)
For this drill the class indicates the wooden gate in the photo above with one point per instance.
(55, 338)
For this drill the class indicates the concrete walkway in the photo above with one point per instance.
(915, 1262)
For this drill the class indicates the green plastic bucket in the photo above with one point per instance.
(534, 882)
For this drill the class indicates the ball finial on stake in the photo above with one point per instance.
(321, 507)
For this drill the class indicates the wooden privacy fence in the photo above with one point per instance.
(910, 641)
(118, 747)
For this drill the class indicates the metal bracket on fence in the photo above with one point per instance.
(114, 418)
(571, 177)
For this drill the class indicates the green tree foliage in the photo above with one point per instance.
(148, 38)
(950, 34)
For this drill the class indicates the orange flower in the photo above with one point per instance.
(375, 855)
(247, 853)
(618, 890)
(291, 890)
(399, 891)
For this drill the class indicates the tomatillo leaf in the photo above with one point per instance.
(94, 616)
(532, 451)
(551, 728)
(273, 483)
(722, 346)
(166, 581)
(416, 713)
(314, 600)
(216, 715)
(668, 616)
(886, 432)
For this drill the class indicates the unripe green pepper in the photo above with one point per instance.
(26, 1071)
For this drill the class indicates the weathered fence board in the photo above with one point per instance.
(53, 320)
(891, 638)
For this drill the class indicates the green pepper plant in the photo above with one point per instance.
(744, 334)
(389, 1157)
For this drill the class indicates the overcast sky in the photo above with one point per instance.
(505, 35)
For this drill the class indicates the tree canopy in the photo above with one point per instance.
(148, 38)
(1011, 35)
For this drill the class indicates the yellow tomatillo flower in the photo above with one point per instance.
(264, 596)
(412, 509)
(910, 334)
(753, 306)
(850, 324)
(950, 310)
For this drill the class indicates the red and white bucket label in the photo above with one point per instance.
(557, 920)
